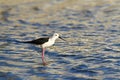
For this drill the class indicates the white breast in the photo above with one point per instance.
(48, 44)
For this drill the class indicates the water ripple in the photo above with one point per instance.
(92, 33)
(83, 69)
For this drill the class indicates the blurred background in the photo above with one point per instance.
(91, 27)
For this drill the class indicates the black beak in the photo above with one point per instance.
(62, 38)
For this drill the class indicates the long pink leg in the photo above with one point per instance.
(43, 51)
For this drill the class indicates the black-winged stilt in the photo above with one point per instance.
(45, 42)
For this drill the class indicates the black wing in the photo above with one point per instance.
(38, 41)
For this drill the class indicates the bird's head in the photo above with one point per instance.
(56, 35)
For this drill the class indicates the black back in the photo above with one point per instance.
(38, 41)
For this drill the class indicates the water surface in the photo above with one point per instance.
(92, 30)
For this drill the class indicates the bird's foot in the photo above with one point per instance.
(45, 64)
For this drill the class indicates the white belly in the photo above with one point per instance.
(47, 44)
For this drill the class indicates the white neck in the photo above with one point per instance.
(53, 38)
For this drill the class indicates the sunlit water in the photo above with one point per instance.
(92, 51)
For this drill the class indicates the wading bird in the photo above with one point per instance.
(44, 43)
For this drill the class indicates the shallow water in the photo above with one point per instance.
(92, 31)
